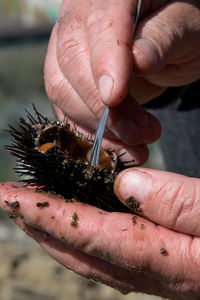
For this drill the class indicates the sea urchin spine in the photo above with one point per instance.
(55, 158)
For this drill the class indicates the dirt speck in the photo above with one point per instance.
(134, 217)
(74, 222)
(14, 204)
(142, 226)
(133, 204)
(110, 24)
(163, 251)
(42, 204)
(38, 218)
(61, 236)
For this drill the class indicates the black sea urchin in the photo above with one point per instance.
(55, 158)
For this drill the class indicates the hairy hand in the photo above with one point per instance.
(155, 253)
(91, 57)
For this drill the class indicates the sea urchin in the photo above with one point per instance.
(55, 158)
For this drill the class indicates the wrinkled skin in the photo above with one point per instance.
(91, 39)
(109, 247)
(94, 38)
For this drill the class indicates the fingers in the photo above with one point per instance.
(127, 122)
(114, 237)
(73, 52)
(166, 198)
(81, 263)
(95, 268)
(163, 49)
(132, 124)
(60, 91)
(110, 29)
(163, 52)
(65, 99)
(138, 153)
(142, 90)
(95, 41)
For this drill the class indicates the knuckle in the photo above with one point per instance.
(67, 53)
(177, 208)
(69, 21)
(69, 47)
(161, 31)
(94, 19)
(185, 205)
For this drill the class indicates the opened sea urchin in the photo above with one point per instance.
(56, 158)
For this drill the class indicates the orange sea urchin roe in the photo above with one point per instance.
(43, 148)
(72, 145)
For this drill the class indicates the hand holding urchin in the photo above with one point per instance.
(56, 158)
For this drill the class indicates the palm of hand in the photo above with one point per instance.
(124, 251)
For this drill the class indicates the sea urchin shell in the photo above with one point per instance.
(55, 157)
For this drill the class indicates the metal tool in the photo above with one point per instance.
(96, 148)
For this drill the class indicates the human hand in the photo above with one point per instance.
(115, 248)
(93, 39)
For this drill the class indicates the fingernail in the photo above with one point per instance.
(128, 131)
(144, 48)
(105, 85)
(133, 183)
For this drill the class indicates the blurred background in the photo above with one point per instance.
(26, 271)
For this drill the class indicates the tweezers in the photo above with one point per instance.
(96, 148)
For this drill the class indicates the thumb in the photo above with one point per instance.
(168, 199)
(110, 30)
